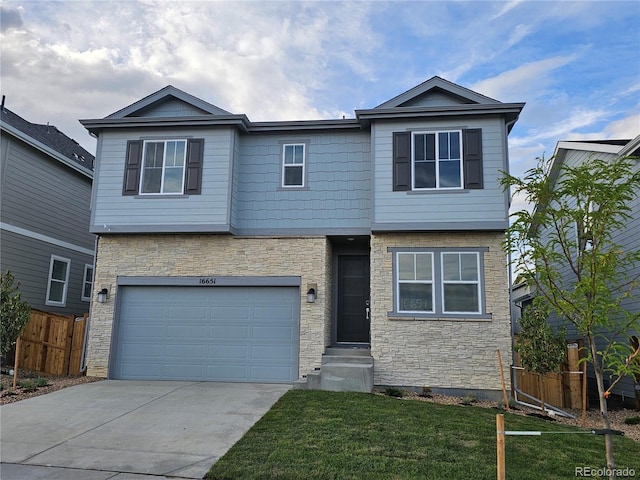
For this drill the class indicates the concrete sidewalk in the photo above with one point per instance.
(128, 430)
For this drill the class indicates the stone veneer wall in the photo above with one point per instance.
(445, 354)
(218, 255)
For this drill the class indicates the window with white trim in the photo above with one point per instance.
(415, 282)
(58, 283)
(437, 160)
(163, 167)
(293, 165)
(434, 282)
(461, 283)
(87, 282)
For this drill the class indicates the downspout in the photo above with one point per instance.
(85, 343)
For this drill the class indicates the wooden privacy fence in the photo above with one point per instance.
(52, 344)
(562, 390)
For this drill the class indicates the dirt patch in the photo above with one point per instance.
(593, 419)
(33, 384)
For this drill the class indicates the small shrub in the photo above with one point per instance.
(41, 382)
(632, 421)
(393, 392)
(27, 385)
(469, 399)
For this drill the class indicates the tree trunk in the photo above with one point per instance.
(608, 443)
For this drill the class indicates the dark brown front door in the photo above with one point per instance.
(353, 299)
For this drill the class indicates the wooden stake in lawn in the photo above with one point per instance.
(15, 363)
(504, 387)
(584, 393)
(500, 446)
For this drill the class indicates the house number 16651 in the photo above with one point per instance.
(207, 281)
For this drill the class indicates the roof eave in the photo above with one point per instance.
(46, 149)
(97, 125)
(510, 110)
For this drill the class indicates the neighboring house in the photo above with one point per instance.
(572, 154)
(239, 251)
(46, 193)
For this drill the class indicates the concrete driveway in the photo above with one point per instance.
(128, 430)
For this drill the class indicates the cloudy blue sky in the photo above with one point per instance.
(575, 64)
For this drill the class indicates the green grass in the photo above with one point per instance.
(329, 435)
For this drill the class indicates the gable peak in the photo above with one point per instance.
(438, 86)
(164, 95)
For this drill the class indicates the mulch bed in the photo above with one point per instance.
(29, 380)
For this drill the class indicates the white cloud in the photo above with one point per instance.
(526, 81)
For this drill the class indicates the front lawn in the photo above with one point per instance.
(328, 435)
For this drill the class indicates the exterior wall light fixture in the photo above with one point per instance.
(311, 293)
(103, 295)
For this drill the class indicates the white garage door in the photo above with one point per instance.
(233, 334)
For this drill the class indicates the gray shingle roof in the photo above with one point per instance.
(50, 136)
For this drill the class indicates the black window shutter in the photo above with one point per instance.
(472, 151)
(195, 151)
(401, 161)
(133, 165)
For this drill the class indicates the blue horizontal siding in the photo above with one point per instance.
(488, 204)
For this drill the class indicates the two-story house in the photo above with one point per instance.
(234, 250)
(45, 203)
(573, 154)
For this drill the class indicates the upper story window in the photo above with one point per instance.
(293, 165)
(163, 166)
(58, 282)
(87, 283)
(156, 167)
(437, 160)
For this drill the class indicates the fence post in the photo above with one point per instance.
(500, 445)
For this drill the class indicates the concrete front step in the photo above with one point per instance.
(342, 370)
(353, 360)
(346, 377)
(348, 351)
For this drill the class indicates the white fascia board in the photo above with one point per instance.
(588, 147)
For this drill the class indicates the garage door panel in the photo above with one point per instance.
(208, 333)
(228, 352)
(231, 313)
(186, 331)
(193, 313)
(267, 353)
(144, 331)
(229, 331)
(140, 349)
(272, 333)
(272, 314)
(179, 351)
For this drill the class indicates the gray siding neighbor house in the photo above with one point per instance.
(572, 154)
(46, 182)
(278, 251)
